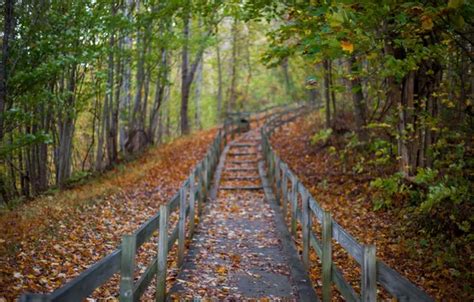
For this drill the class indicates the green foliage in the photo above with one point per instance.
(440, 202)
(321, 137)
(387, 190)
(382, 149)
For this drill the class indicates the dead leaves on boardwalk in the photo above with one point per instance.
(232, 242)
(52, 239)
(236, 253)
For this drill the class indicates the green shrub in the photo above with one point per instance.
(387, 189)
(321, 137)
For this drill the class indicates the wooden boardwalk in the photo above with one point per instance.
(243, 249)
(240, 251)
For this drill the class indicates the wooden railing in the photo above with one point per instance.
(188, 202)
(287, 187)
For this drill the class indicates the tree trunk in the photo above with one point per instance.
(185, 85)
(135, 140)
(360, 108)
(187, 73)
(232, 102)
(125, 91)
(159, 95)
(327, 88)
(197, 96)
(219, 80)
(288, 80)
(115, 118)
(66, 131)
(8, 29)
(333, 92)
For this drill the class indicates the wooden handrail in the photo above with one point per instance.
(100, 272)
(373, 270)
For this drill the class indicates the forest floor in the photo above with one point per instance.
(51, 239)
(348, 197)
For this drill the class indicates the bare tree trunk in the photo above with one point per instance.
(248, 80)
(187, 73)
(8, 28)
(219, 80)
(66, 131)
(168, 122)
(159, 94)
(288, 80)
(333, 93)
(115, 106)
(232, 102)
(360, 108)
(327, 88)
(135, 135)
(185, 77)
(125, 93)
(197, 96)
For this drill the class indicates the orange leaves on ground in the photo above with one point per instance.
(52, 239)
(348, 198)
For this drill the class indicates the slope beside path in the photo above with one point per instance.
(50, 240)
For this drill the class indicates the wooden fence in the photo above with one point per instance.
(188, 202)
(287, 188)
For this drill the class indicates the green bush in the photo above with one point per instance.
(321, 137)
(387, 189)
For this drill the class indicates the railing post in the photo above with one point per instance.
(192, 201)
(326, 258)
(200, 188)
(127, 267)
(306, 226)
(209, 170)
(181, 225)
(232, 132)
(225, 131)
(271, 162)
(294, 204)
(277, 180)
(205, 167)
(284, 190)
(162, 255)
(369, 274)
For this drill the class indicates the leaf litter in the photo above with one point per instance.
(52, 239)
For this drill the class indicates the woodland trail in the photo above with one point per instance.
(241, 248)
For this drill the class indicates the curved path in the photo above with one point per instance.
(242, 249)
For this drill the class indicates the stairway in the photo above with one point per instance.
(238, 252)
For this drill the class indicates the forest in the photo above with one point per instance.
(88, 87)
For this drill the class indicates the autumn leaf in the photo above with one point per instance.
(426, 23)
(221, 270)
(455, 3)
(347, 46)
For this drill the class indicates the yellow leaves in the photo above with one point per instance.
(426, 22)
(221, 270)
(347, 46)
(454, 4)
(335, 19)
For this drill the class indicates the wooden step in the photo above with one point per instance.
(242, 162)
(242, 153)
(242, 188)
(244, 145)
(241, 169)
(241, 177)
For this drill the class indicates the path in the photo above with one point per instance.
(242, 249)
